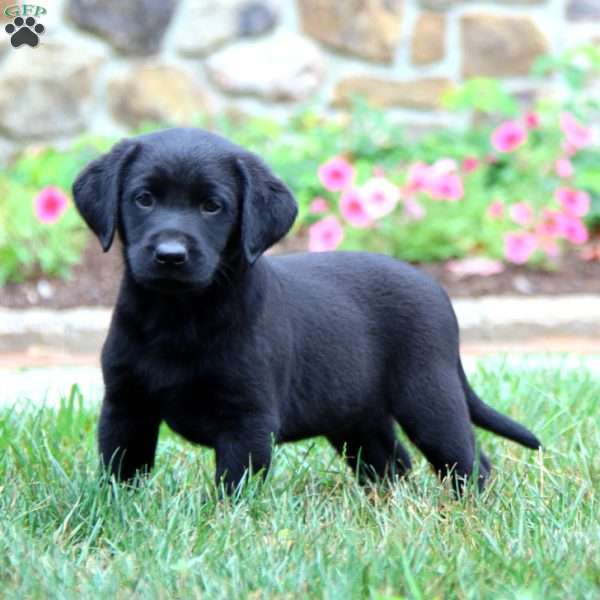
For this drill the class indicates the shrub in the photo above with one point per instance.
(516, 186)
(512, 185)
(40, 230)
(518, 197)
(30, 245)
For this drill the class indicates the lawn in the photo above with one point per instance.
(310, 531)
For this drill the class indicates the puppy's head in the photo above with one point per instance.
(184, 201)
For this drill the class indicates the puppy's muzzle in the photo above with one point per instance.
(171, 253)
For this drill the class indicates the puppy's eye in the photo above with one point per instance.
(210, 207)
(144, 200)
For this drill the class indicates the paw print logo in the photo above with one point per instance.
(24, 31)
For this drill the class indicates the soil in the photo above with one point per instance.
(94, 282)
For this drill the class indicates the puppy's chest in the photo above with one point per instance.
(197, 419)
(195, 400)
(169, 362)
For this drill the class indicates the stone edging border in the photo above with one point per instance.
(487, 319)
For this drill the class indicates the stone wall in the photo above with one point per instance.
(107, 65)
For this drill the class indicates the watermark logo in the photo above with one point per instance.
(25, 29)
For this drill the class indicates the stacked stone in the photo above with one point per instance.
(108, 65)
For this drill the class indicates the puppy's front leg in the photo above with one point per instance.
(240, 449)
(127, 436)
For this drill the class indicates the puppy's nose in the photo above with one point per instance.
(170, 253)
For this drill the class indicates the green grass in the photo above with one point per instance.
(310, 531)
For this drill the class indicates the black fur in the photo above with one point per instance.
(233, 349)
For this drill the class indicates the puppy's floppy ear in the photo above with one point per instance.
(97, 189)
(268, 207)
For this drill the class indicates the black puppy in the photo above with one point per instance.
(232, 349)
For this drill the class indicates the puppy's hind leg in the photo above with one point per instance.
(373, 453)
(433, 412)
(485, 467)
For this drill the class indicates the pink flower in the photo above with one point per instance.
(318, 206)
(509, 136)
(549, 246)
(521, 213)
(447, 186)
(380, 197)
(325, 235)
(414, 210)
(353, 208)
(532, 120)
(564, 168)
(475, 265)
(418, 176)
(575, 231)
(578, 136)
(50, 204)
(575, 203)
(495, 210)
(591, 253)
(470, 164)
(568, 148)
(552, 224)
(519, 246)
(443, 166)
(336, 174)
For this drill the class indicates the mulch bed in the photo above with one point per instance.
(95, 281)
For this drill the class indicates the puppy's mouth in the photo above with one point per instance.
(172, 285)
(167, 280)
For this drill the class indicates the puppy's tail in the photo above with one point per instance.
(486, 417)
